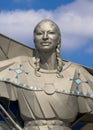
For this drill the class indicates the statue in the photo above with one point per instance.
(50, 91)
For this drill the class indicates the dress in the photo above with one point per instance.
(46, 102)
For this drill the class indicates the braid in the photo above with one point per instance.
(37, 62)
(59, 62)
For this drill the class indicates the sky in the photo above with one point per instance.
(74, 18)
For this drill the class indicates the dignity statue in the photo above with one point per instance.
(51, 92)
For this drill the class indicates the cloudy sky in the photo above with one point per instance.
(74, 18)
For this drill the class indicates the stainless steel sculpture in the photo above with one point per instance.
(50, 91)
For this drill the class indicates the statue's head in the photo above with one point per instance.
(47, 36)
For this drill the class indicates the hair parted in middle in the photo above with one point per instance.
(58, 57)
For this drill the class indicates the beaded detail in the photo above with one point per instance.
(19, 71)
(58, 90)
(78, 81)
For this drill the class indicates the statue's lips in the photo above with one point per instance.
(45, 43)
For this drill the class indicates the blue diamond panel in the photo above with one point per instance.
(78, 81)
(18, 71)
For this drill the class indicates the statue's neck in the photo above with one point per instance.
(48, 60)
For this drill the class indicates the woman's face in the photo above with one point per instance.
(46, 36)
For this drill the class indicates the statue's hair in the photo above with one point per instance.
(48, 20)
(59, 60)
(37, 62)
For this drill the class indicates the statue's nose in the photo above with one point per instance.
(45, 36)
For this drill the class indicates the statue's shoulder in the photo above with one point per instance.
(82, 80)
(78, 66)
(14, 60)
(71, 65)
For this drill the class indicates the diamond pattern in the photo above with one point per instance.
(78, 81)
(18, 71)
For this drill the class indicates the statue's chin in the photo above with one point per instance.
(46, 49)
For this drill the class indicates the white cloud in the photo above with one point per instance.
(75, 21)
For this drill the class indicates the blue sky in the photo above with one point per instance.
(74, 17)
(32, 4)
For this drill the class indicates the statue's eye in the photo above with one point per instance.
(39, 33)
(51, 32)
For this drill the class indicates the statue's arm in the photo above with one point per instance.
(86, 102)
